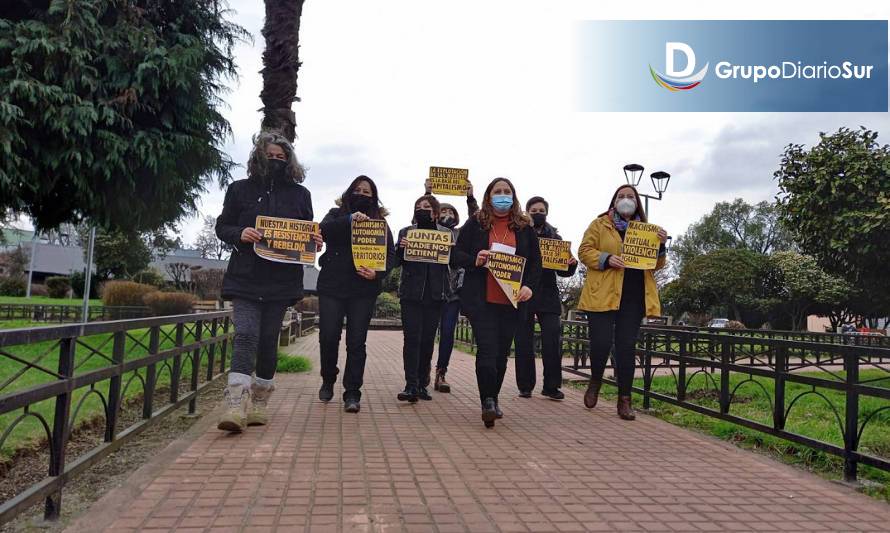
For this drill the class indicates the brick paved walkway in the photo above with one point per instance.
(547, 466)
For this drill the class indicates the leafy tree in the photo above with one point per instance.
(109, 108)
(281, 63)
(835, 197)
(570, 288)
(208, 243)
(119, 254)
(803, 287)
(735, 224)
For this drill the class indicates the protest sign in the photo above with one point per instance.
(428, 246)
(449, 181)
(286, 240)
(369, 244)
(507, 271)
(640, 247)
(555, 254)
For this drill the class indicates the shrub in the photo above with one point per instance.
(734, 324)
(58, 286)
(309, 304)
(150, 276)
(170, 303)
(293, 363)
(39, 290)
(125, 293)
(13, 286)
(388, 305)
(78, 281)
(208, 283)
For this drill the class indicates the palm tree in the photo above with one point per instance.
(281, 61)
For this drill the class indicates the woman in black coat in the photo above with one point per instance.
(345, 291)
(498, 226)
(260, 290)
(545, 304)
(423, 289)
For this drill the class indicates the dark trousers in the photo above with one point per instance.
(331, 312)
(255, 345)
(493, 327)
(551, 351)
(450, 314)
(419, 323)
(621, 328)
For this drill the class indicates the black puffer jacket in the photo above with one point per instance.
(249, 276)
(546, 298)
(471, 240)
(338, 276)
(413, 281)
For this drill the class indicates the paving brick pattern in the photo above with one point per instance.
(432, 466)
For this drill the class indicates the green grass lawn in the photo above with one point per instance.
(293, 363)
(811, 416)
(43, 300)
(46, 354)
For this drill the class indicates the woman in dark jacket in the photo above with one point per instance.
(546, 306)
(499, 225)
(422, 291)
(345, 291)
(260, 290)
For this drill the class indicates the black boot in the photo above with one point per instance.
(489, 412)
(326, 392)
(424, 394)
(408, 395)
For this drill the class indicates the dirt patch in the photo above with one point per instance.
(30, 464)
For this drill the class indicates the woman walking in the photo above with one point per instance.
(260, 290)
(422, 291)
(498, 226)
(345, 291)
(616, 298)
(545, 304)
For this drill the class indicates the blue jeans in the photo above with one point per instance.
(450, 313)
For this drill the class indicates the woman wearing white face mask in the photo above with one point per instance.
(499, 225)
(615, 298)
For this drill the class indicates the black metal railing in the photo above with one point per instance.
(60, 313)
(772, 363)
(101, 360)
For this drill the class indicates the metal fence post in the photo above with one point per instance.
(151, 374)
(725, 360)
(681, 372)
(647, 370)
(114, 386)
(779, 388)
(177, 364)
(211, 350)
(851, 430)
(196, 364)
(53, 503)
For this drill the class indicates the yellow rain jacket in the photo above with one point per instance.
(602, 288)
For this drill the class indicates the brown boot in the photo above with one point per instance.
(591, 395)
(625, 408)
(441, 385)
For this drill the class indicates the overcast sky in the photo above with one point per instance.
(390, 88)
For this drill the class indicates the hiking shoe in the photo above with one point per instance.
(408, 395)
(489, 412)
(553, 394)
(440, 384)
(351, 406)
(424, 394)
(237, 402)
(525, 394)
(258, 414)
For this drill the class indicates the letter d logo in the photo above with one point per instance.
(669, 52)
(678, 80)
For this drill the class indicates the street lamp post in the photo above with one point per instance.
(633, 173)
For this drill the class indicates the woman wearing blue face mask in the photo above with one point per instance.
(499, 225)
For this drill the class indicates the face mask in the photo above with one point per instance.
(423, 218)
(626, 206)
(276, 169)
(360, 202)
(448, 221)
(502, 202)
(539, 219)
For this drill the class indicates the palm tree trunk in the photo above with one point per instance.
(281, 62)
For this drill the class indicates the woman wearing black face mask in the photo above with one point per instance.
(422, 290)
(260, 290)
(546, 306)
(345, 291)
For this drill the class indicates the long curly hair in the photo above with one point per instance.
(518, 219)
(256, 164)
(344, 202)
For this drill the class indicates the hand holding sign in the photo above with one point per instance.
(286, 240)
(507, 270)
(640, 247)
(448, 181)
(369, 246)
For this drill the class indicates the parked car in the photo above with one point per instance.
(718, 323)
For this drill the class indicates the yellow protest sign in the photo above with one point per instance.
(428, 246)
(555, 254)
(369, 244)
(640, 248)
(507, 271)
(286, 240)
(449, 181)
